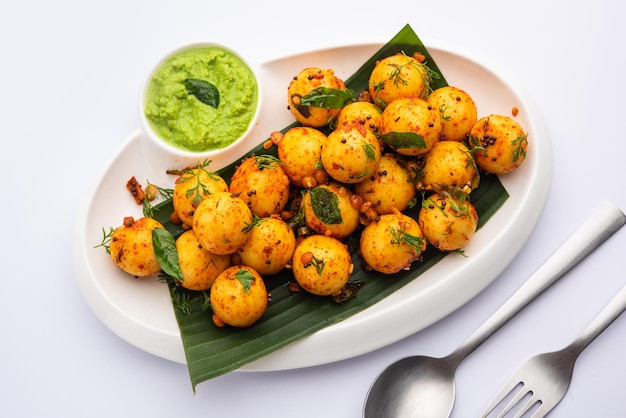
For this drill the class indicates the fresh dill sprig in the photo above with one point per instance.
(106, 239)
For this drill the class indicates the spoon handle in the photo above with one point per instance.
(606, 220)
(610, 313)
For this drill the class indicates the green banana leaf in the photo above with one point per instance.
(212, 351)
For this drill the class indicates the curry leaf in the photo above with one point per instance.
(398, 140)
(204, 91)
(166, 253)
(327, 97)
(325, 205)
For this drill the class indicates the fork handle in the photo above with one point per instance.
(605, 221)
(610, 313)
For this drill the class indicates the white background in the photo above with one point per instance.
(70, 72)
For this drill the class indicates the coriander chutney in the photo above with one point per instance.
(201, 99)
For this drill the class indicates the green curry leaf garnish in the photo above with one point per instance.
(204, 91)
(166, 254)
(398, 140)
(325, 205)
(323, 97)
(327, 98)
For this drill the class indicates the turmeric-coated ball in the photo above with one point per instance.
(238, 297)
(448, 223)
(131, 247)
(269, 246)
(322, 265)
(304, 83)
(222, 223)
(398, 76)
(198, 266)
(191, 188)
(501, 144)
(391, 243)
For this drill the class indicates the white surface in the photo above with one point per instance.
(70, 74)
(139, 310)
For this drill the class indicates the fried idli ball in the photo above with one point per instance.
(391, 243)
(269, 246)
(299, 151)
(398, 76)
(448, 223)
(222, 223)
(304, 83)
(450, 165)
(238, 297)
(458, 111)
(350, 154)
(390, 187)
(328, 210)
(366, 114)
(502, 144)
(322, 265)
(262, 183)
(131, 246)
(191, 188)
(411, 116)
(198, 266)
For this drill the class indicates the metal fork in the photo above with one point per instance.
(544, 379)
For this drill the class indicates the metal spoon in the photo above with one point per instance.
(424, 387)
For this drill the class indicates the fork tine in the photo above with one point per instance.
(527, 406)
(504, 391)
(545, 408)
(542, 411)
(521, 393)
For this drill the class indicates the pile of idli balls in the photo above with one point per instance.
(400, 145)
(350, 167)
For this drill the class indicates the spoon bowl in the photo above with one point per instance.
(430, 381)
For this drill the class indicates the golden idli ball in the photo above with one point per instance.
(365, 114)
(269, 246)
(131, 247)
(322, 265)
(350, 154)
(262, 183)
(299, 151)
(449, 165)
(198, 266)
(501, 144)
(191, 188)
(398, 76)
(458, 111)
(238, 297)
(448, 223)
(222, 223)
(391, 186)
(304, 83)
(391, 243)
(410, 126)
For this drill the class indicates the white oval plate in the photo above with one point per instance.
(140, 311)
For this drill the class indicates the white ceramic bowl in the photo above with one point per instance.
(161, 155)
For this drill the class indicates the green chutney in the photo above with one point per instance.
(181, 119)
